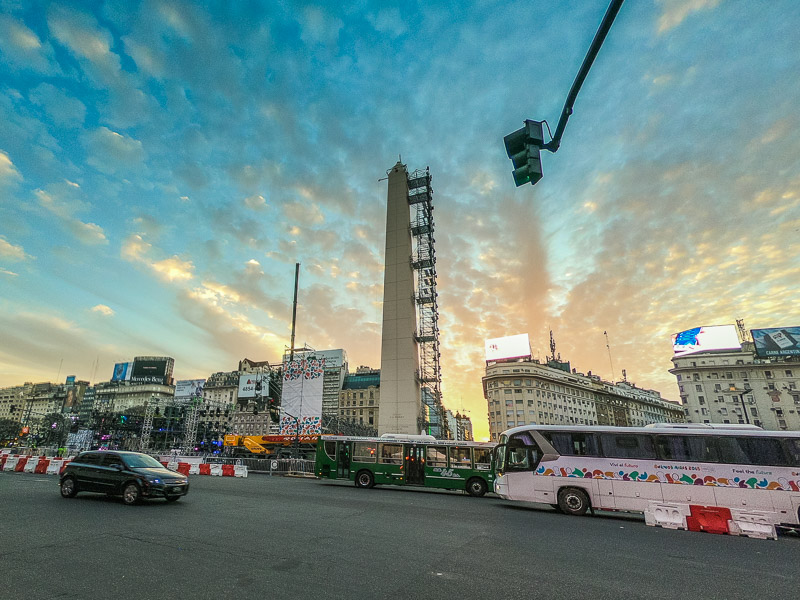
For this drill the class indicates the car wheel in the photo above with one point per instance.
(573, 501)
(476, 487)
(131, 494)
(364, 479)
(68, 487)
(172, 498)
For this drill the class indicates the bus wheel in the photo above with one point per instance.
(364, 479)
(573, 501)
(476, 487)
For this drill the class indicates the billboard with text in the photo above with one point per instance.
(777, 341)
(248, 383)
(152, 370)
(702, 339)
(512, 346)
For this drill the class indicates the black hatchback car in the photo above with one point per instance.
(132, 475)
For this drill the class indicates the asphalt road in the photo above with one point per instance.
(271, 537)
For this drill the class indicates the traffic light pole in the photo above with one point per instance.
(599, 37)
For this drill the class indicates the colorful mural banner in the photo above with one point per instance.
(308, 426)
(684, 474)
(301, 398)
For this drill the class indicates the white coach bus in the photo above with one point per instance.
(664, 472)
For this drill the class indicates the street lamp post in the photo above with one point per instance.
(740, 393)
(744, 407)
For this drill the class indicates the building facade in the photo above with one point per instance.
(736, 386)
(360, 399)
(525, 391)
(459, 426)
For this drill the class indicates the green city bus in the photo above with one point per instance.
(416, 460)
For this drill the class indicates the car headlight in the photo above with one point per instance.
(156, 480)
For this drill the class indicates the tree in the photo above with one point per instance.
(9, 430)
(54, 429)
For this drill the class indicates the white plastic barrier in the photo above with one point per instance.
(11, 463)
(667, 515)
(240, 471)
(753, 524)
(172, 466)
(194, 469)
(31, 464)
(54, 467)
(216, 470)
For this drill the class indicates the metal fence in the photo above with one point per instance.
(269, 466)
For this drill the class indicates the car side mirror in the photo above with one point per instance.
(119, 467)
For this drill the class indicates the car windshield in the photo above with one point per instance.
(141, 461)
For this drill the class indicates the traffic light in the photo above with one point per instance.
(522, 148)
(274, 413)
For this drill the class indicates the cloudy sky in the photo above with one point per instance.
(164, 165)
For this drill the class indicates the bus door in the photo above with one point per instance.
(343, 461)
(414, 465)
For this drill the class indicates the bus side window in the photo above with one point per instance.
(793, 446)
(460, 458)
(364, 452)
(623, 445)
(573, 443)
(391, 454)
(483, 459)
(752, 451)
(687, 448)
(437, 456)
(330, 450)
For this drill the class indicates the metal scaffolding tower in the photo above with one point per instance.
(190, 425)
(423, 261)
(147, 425)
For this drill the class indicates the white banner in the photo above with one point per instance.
(301, 399)
(512, 346)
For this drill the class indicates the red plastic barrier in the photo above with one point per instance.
(21, 464)
(165, 464)
(227, 470)
(711, 519)
(3, 458)
(41, 466)
(64, 466)
(184, 468)
(205, 469)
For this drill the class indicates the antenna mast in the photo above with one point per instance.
(608, 347)
(294, 308)
(552, 346)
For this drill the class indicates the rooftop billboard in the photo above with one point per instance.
(122, 371)
(189, 388)
(151, 370)
(513, 346)
(703, 339)
(777, 341)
